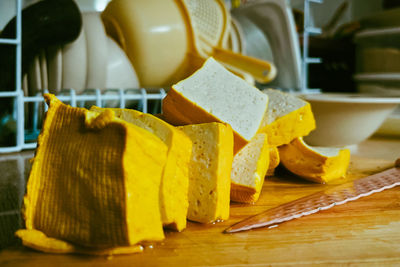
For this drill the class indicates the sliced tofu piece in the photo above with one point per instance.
(175, 182)
(287, 118)
(274, 160)
(209, 171)
(317, 164)
(249, 168)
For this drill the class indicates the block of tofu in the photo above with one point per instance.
(317, 164)
(274, 160)
(287, 118)
(95, 179)
(175, 182)
(249, 168)
(209, 171)
(213, 94)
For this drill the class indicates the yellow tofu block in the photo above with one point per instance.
(274, 160)
(209, 171)
(175, 182)
(95, 179)
(317, 164)
(287, 118)
(249, 167)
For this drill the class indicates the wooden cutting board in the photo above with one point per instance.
(365, 231)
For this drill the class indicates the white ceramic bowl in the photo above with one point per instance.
(382, 84)
(347, 119)
(120, 72)
(153, 34)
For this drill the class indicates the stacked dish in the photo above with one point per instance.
(92, 61)
(378, 68)
(270, 34)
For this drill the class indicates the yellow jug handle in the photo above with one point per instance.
(196, 61)
(242, 74)
(262, 71)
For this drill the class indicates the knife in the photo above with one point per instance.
(322, 200)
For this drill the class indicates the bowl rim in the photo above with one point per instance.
(377, 77)
(361, 98)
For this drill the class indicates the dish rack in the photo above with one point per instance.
(25, 137)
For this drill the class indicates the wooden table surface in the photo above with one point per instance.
(363, 232)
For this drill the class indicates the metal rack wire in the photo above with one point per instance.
(17, 94)
(308, 31)
(90, 97)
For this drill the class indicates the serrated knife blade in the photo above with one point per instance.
(322, 200)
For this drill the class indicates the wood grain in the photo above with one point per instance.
(363, 232)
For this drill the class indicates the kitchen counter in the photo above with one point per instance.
(361, 232)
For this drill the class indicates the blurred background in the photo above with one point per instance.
(128, 53)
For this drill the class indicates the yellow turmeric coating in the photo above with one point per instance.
(39, 241)
(209, 171)
(95, 180)
(175, 182)
(274, 160)
(249, 167)
(177, 110)
(286, 118)
(283, 130)
(318, 164)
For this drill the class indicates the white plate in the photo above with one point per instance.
(44, 80)
(54, 68)
(34, 77)
(74, 64)
(25, 86)
(255, 42)
(275, 19)
(383, 84)
(43, 70)
(96, 47)
(35, 88)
